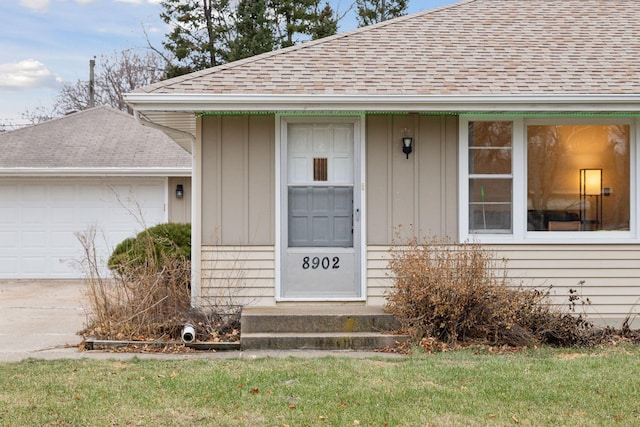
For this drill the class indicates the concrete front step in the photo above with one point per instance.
(320, 327)
(319, 341)
(307, 319)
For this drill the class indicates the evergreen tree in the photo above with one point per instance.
(207, 33)
(296, 20)
(199, 38)
(327, 23)
(254, 32)
(374, 11)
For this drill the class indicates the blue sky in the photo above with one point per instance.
(44, 43)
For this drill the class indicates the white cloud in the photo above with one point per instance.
(26, 74)
(35, 4)
(140, 1)
(40, 5)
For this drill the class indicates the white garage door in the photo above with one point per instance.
(39, 219)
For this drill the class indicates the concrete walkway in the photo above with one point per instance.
(41, 318)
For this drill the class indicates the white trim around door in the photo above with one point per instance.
(320, 264)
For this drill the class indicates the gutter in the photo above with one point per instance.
(96, 172)
(382, 103)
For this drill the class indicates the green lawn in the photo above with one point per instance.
(471, 387)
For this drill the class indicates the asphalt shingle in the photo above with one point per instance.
(100, 137)
(475, 47)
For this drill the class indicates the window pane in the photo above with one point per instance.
(489, 205)
(490, 181)
(320, 169)
(490, 147)
(489, 190)
(497, 219)
(557, 158)
(490, 161)
(490, 134)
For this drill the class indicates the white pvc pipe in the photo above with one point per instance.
(188, 334)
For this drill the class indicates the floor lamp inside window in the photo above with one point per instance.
(591, 199)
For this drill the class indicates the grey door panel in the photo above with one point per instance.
(320, 216)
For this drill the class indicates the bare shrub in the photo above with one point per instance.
(142, 301)
(461, 292)
(149, 300)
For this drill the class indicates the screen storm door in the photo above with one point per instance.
(320, 212)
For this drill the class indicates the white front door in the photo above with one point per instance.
(320, 211)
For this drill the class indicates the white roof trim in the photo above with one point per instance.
(436, 103)
(103, 172)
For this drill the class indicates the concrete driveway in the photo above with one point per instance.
(40, 318)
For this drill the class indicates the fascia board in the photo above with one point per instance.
(93, 172)
(453, 103)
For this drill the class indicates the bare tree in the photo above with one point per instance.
(38, 114)
(115, 75)
(125, 72)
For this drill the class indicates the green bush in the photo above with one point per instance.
(152, 246)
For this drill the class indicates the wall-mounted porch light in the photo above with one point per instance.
(407, 145)
(179, 191)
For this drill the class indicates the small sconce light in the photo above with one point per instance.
(179, 191)
(407, 145)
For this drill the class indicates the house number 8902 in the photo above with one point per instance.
(320, 262)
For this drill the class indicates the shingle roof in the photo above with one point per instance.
(99, 137)
(475, 47)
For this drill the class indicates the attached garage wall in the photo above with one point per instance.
(180, 209)
(40, 216)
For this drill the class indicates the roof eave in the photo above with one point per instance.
(96, 172)
(387, 103)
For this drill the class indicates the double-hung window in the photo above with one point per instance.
(490, 176)
(546, 178)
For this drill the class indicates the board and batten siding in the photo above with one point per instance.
(238, 210)
(414, 195)
(610, 276)
(238, 180)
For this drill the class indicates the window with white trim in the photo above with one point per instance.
(546, 177)
(578, 177)
(490, 177)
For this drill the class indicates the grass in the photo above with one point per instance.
(471, 387)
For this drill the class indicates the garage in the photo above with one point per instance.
(39, 221)
(98, 168)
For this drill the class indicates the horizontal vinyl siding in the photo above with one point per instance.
(611, 275)
(238, 275)
(379, 278)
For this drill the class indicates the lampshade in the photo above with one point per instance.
(591, 182)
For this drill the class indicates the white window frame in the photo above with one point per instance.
(520, 233)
